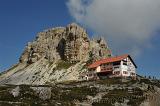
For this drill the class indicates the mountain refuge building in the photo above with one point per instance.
(119, 66)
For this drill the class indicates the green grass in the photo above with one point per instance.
(110, 81)
(118, 95)
(63, 65)
(68, 92)
(78, 93)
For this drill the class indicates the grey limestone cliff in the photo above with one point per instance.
(57, 54)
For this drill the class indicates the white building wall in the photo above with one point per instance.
(128, 69)
(125, 70)
(131, 67)
(98, 69)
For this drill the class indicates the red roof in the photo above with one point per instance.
(109, 60)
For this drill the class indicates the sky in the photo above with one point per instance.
(129, 26)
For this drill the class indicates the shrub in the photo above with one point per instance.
(63, 65)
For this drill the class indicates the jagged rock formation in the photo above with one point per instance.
(38, 63)
(70, 43)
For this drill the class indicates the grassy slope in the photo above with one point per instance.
(67, 93)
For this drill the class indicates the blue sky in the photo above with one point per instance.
(21, 20)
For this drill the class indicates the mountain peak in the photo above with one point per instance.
(58, 54)
(73, 24)
(69, 43)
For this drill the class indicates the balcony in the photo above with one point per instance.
(106, 69)
(116, 67)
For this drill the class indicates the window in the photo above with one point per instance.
(116, 67)
(125, 72)
(130, 63)
(117, 72)
(116, 63)
(124, 63)
(90, 75)
(132, 73)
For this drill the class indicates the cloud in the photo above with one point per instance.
(127, 25)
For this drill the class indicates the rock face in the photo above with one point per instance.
(51, 47)
(70, 44)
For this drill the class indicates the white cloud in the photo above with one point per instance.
(128, 25)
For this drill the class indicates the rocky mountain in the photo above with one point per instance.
(56, 55)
